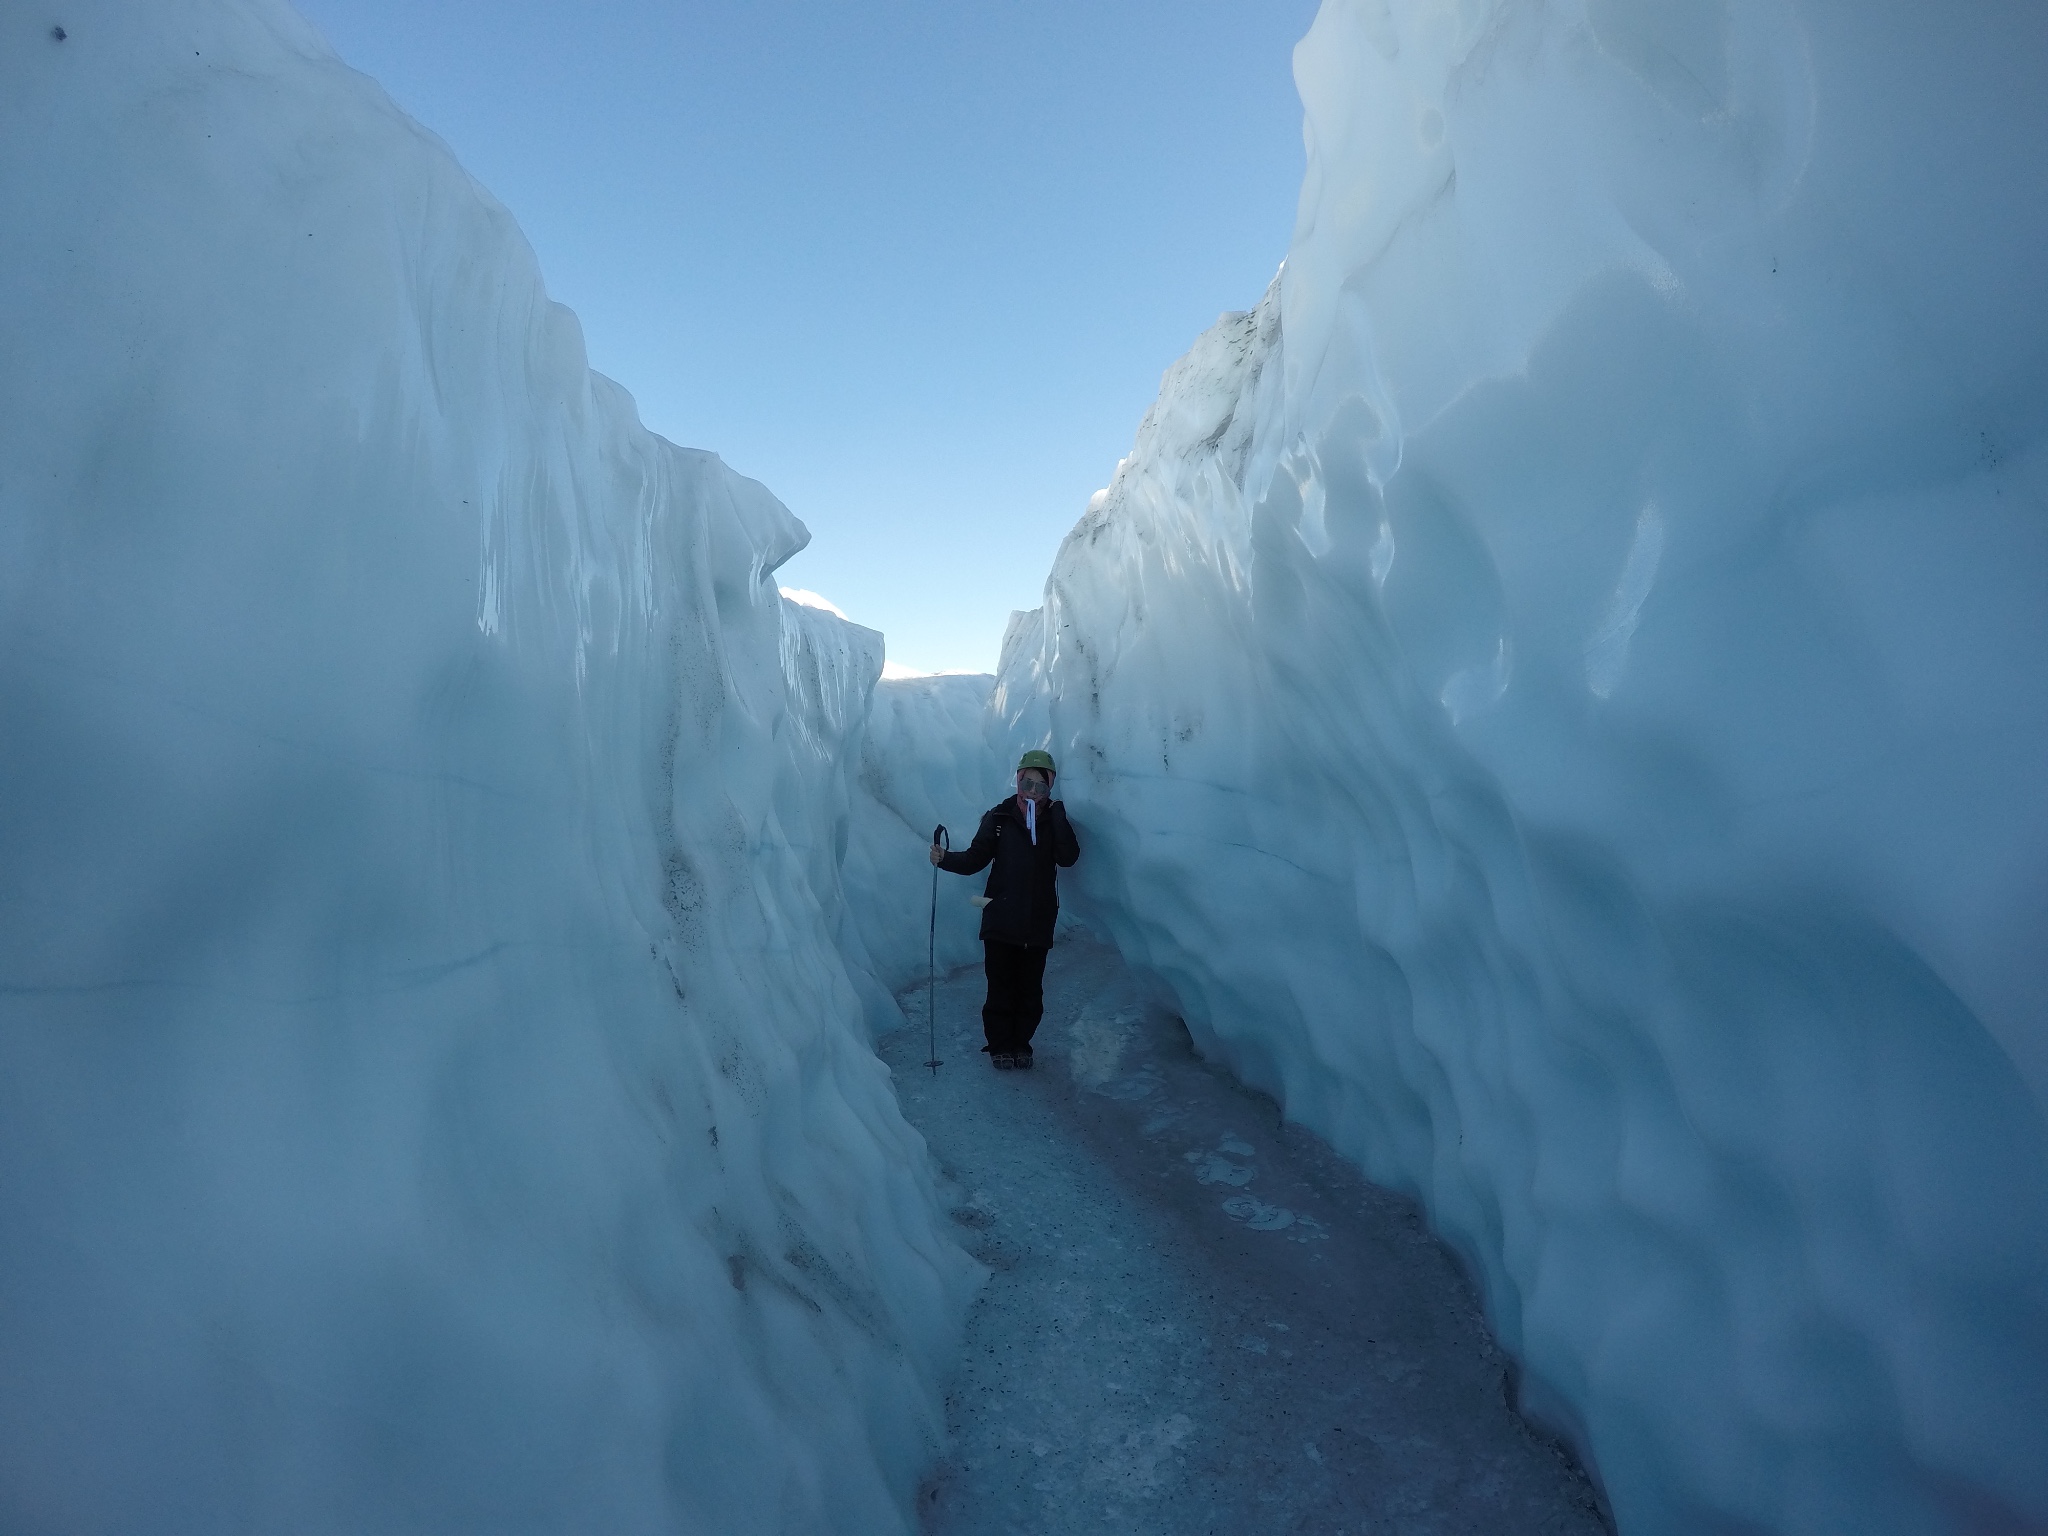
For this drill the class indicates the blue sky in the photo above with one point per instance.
(916, 266)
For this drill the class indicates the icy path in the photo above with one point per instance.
(1199, 1320)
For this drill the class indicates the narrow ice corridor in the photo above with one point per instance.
(1552, 696)
(1197, 1319)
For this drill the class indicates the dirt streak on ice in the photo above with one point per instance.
(1197, 1319)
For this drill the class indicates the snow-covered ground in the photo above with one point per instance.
(434, 1093)
(1557, 694)
(1198, 1319)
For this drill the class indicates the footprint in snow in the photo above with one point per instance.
(1216, 1168)
(1139, 1085)
(1258, 1215)
(1261, 1217)
(1212, 1168)
(1097, 1039)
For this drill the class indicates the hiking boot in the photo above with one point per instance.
(1003, 1060)
(1021, 1061)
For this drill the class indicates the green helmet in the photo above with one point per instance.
(1037, 759)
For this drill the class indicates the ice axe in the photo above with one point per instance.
(931, 958)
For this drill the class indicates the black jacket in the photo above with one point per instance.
(1023, 888)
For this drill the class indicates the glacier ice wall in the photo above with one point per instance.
(924, 761)
(433, 1096)
(829, 670)
(1557, 694)
(874, 765)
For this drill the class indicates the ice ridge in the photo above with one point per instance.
(434, 1087)
(1555, 694)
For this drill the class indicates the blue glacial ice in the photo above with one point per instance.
(434, 1095)
(1556, 694)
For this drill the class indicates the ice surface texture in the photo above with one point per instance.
(431, 1095)
(883, 763)
(924, 760)
(1558, 694)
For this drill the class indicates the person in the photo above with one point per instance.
(1028, 839)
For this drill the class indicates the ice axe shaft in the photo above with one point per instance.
(940, 839)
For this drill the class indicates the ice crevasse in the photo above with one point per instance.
(1558, 694)
(434, 1087)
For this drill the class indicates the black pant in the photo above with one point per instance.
(1016, 995)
